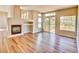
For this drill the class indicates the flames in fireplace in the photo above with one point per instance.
(15, 29)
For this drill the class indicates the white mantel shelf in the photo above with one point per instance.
(2, 30)
(14, 35)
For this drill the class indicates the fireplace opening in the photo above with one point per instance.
(15, 29)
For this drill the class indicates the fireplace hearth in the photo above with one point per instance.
(15, 29)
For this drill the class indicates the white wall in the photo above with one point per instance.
(15, 21)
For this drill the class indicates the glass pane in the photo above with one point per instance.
(50, 14)
(46, 25)
(24, 15)
(52, 24)
(39, 23)
(39, 15)
(67, 23)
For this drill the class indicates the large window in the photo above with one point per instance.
(67, 23)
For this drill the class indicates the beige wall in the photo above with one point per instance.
(65, 12)
(3, 28)
(3, 19)
(16, 11)
(7, 8)
(78, 30)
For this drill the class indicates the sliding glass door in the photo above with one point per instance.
(52, 24)
(46, 25)
(49, 24)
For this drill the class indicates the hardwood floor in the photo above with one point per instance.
(40, 43)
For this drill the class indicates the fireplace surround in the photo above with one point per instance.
(15, 29)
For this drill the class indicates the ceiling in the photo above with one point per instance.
(45, 8)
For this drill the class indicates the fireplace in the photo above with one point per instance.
(15, 29)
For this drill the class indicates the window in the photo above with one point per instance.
(50, 14)
(24, 14)
(67, 23)
(39, 22)
(39, 15)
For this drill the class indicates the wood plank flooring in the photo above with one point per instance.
(40, 43)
